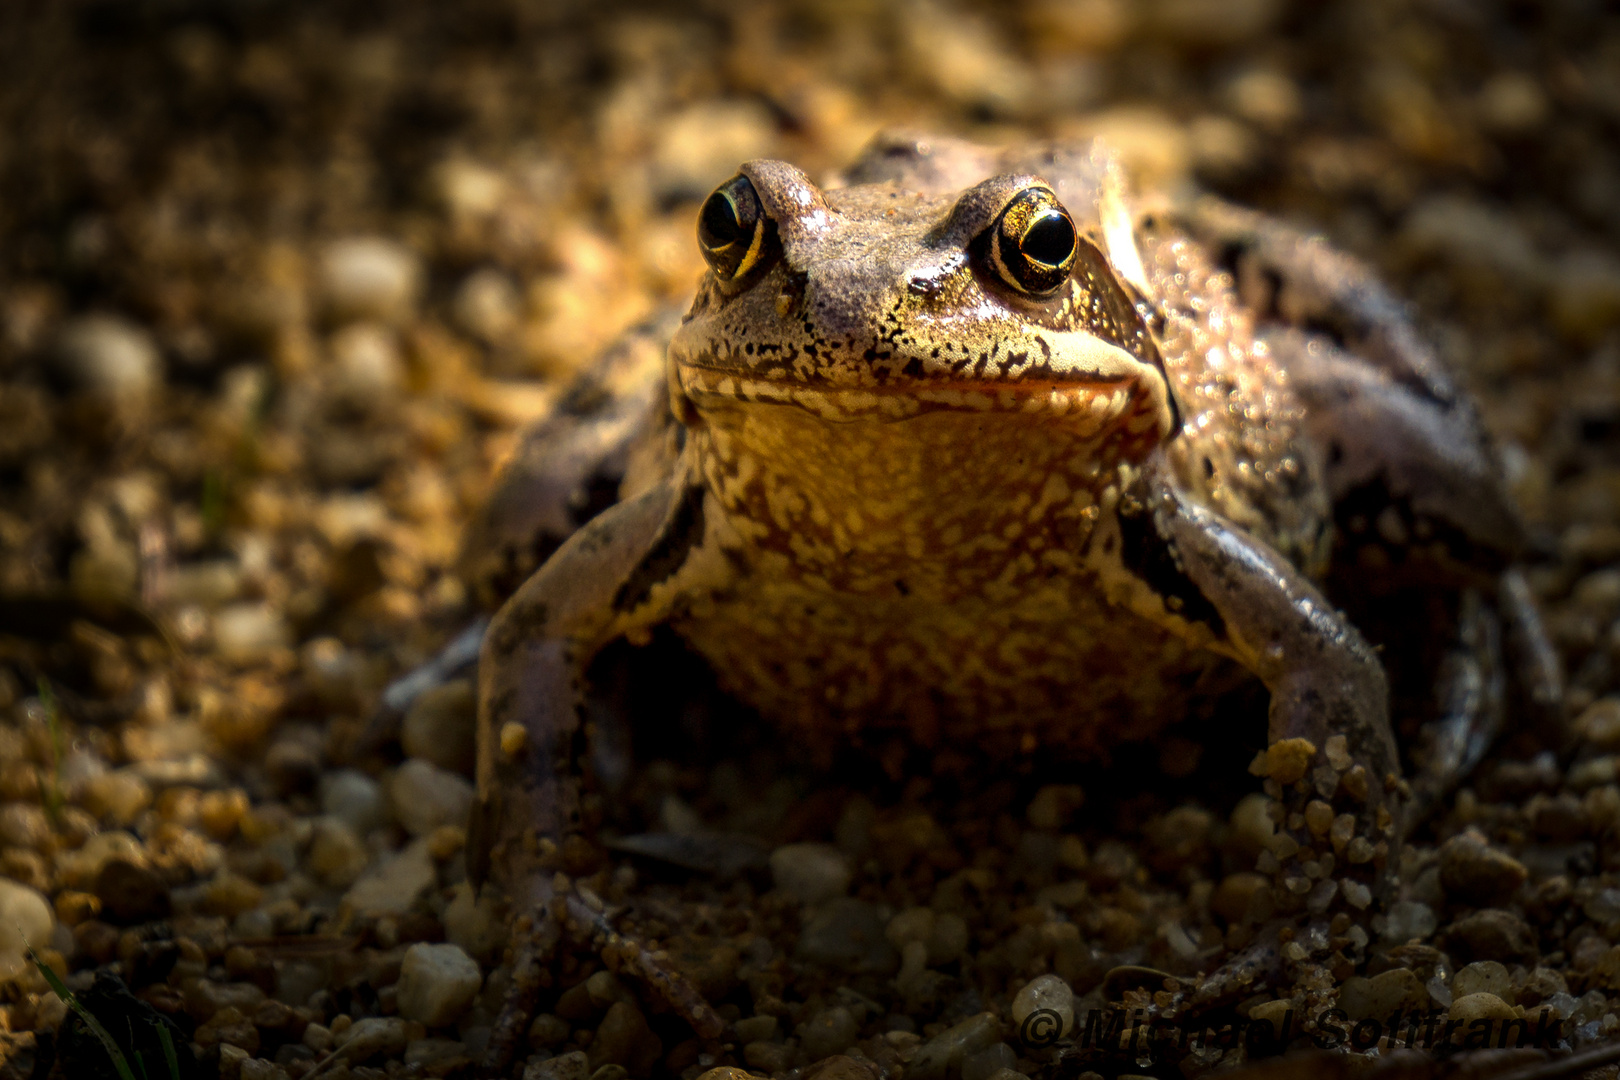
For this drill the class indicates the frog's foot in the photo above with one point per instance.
(1287, 958)
(573, 911)
(1338, 824)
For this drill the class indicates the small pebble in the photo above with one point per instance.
(1481, 1006)
(219, 812)
(437, 983)
(1482, 977)
(1599, 723)
(624, 1039)
(375, 1036)
(426, 1052)
(369, 277)
(440, 725)
(548, 1030)
(1408, 920)
(248, 633)
(260, 1069)
(1054, 804)
(298, 980)
(424, 796)
(111, 357)
(131, 894)
(988, 1062)
(394, 884)
(1512, 103)
(24, 825)
(944, 1053)
(336, 856)
(231, 1059)
(810, 873)
(366, 361)
(1383, 994)
(764, 1055)
(25, 919)
(1491, 934)
(476, 922)
(571, 1066)
(848, 934)
(118, 796)
(1049, 992)
(228, 1025)
(829, 1032)
(353, 798)
(487, 305)
(757, 1029)
(1473, 872)
(293, 763)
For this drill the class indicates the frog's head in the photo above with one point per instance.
(874, 301)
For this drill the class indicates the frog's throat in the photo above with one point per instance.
(1081, 383)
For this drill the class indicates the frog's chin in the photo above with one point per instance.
(1130, 403)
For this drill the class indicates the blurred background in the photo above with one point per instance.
(280, 281)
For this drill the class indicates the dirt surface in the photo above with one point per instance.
(280, 283)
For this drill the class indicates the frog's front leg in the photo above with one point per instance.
(1331, 761)
(619, 574)
(1329, 732)
(1234, 594)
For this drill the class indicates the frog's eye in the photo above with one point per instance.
(1033, 242)
(731, 229)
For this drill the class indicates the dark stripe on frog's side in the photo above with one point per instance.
(683, 533)
(1151, 557)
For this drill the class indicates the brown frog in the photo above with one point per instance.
(969, 450)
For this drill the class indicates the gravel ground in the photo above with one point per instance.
(280, 283)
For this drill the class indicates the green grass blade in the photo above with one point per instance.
(53, 724)
(61, 990)
(170, 1058)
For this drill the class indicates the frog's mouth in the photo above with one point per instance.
(1095, 406)
(1071, 378)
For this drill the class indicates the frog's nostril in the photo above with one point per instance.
(929, 280)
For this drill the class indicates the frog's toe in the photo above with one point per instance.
(1337, 826)
(566, 908)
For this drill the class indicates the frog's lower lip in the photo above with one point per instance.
(1099, 403)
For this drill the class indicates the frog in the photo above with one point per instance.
(980, 448)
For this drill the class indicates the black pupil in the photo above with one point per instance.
(719, 221)
(1049, 239)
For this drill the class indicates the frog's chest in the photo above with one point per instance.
(1055, 667)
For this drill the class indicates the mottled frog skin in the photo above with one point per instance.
(972, 450)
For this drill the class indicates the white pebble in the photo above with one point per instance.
(370, 277)
(109, 356)
(1482, 977)
(25, 919)
(487, 305)
(1049, 992)
(1409, 920)
(244, 633)
(437, 983)
(118, 796)
(393, 885)
(366, 359)
(425, 796)
(810, 873)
